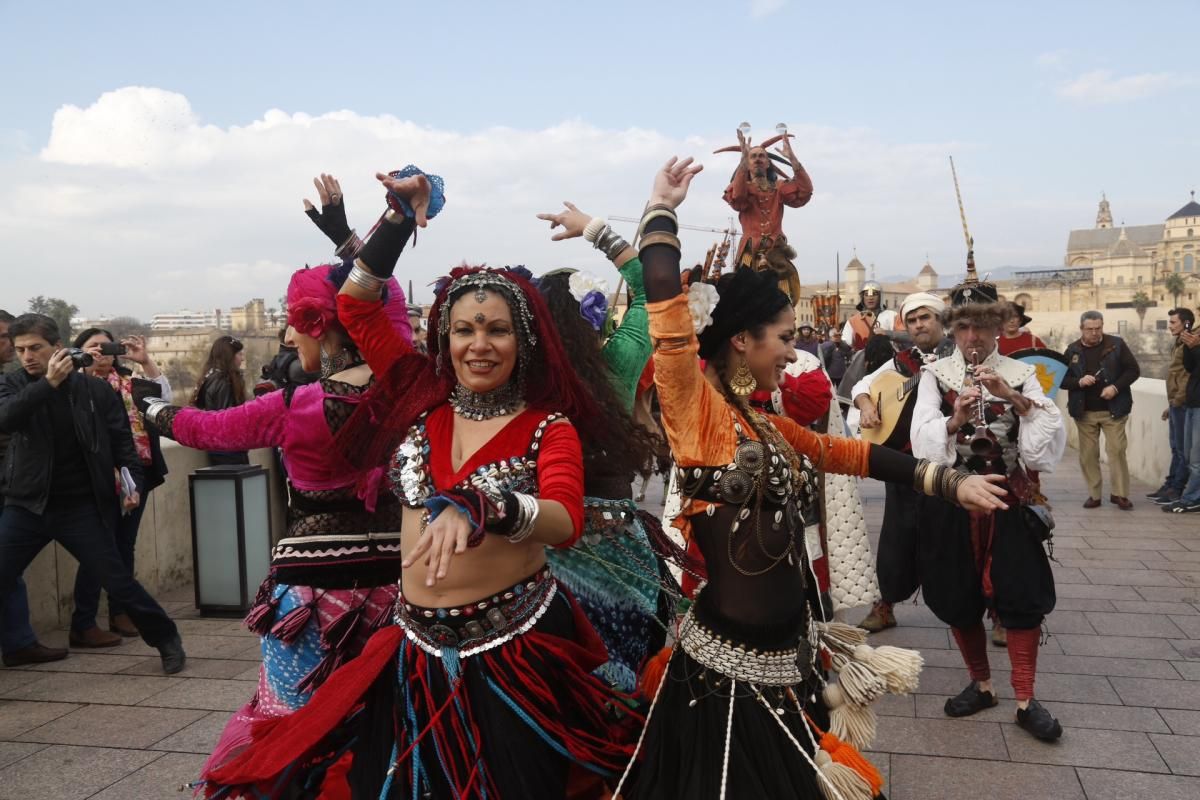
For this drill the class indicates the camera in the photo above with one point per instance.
(112, 349)
(80, 358)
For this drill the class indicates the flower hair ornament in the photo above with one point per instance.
(592, 295)
(702, 299)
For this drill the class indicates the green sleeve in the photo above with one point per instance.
(628, 349)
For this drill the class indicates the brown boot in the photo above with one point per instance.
(122, 624)
(94, 637)
(999, 635)
(880, 618)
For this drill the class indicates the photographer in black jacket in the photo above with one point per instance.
(69, 435)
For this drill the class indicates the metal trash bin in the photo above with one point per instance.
(231, 536)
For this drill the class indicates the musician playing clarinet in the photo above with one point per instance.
(896, 555)
(985, 412)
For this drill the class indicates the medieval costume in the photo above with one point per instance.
(866, 321)
(993, 563)
(1025, 338)
(333, 577)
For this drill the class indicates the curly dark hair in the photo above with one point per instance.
(627, 447)
(877, 352)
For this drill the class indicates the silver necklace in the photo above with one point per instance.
(338, 362)
(484, 405)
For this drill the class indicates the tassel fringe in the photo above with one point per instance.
(859, 683)
(839, 781)
(898, 668)
(852, 723)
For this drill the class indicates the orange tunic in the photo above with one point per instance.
(699, 421)
(761, 212)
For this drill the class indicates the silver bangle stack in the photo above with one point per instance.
(604, 238)
(527, 514)
(350, 247)
(153, 406)
(365, 280)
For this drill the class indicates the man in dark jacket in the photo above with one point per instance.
(69, 434)
(19, 644)
(1100, 370)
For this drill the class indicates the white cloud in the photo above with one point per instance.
(1101, 86)
(136, 205)
(764, 8)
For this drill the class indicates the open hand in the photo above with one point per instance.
(415, 190)
(982, 493)
(573, 221)
(672, 181)
(440, 541)
(135, 348)
(331, 219)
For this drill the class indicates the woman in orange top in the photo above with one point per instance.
(738, 710)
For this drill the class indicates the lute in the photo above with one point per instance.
(894, 396)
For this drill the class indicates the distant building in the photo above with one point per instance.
(188, 320)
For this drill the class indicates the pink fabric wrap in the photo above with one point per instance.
(300, 429)
(312, 302)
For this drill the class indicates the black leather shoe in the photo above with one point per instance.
(173, 657)
(970, 701)
(36, 653)
(1038, 721)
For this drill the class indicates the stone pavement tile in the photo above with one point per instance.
(109, 689)
(1073, 542)
(1182, 753)
(1160, 607)
(883, 763)
(1099, 665)
(1061, 621)
(1132, 577)
(1106, 784)
(250, 673)
(199, 737)
(18, 716)
(895, 705)
(203, 693)
(1190, 625)
(1098, 592)
(1172, 594)
(925, 778)
(1084, 603)
(916, 616)
(113, 726)
(158, 780)
(11, 680)
(1188, 670)
(65, 772)
(1131, 557)
(99, 663)
(11, 753)
(920, 638)
(1174, 557)
(1186, 723)
(213, 627)
(1132, 545)
(939, 737)
(1188, 648)
(209, 646)
(1086, 747)
(1116, 646)
(1158, 693)
(1118, 624)
(1187, 577)
(945, 658)
(1071, 715)
(1064, 575)
(194, 668)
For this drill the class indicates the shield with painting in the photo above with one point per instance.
(1051, 366)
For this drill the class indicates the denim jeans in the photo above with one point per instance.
(15, 631)
(1191, 493)
(81, 530)
(1177, 427)
(87, 585)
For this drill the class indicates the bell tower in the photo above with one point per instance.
(1104, 214)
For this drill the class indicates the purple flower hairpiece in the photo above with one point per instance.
(594, 308)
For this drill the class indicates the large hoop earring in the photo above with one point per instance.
(742, 383)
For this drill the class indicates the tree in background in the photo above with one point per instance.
(1140, 303)
(120, 327)
(1174, 285)
(56, 309)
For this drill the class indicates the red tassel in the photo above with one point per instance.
(382, 618)
(653, 670)
(339, 632)
(317, 675)
(262, 617)
(292, 624)
(336, 785)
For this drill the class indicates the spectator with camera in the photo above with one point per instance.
(222, 386)
(19, 644)
(70, 435)
(104, 350)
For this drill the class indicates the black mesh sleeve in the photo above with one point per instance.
(660, 263)
(886, 464)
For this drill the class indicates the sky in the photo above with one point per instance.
(154, 156)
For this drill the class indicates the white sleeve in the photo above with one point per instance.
(928, 435)
(864, 385)
(162, 381)
(848, 333)
(1043, 436)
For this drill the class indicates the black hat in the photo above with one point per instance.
(1020, 309)
(973, 290)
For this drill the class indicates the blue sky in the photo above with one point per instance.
(1044, 105)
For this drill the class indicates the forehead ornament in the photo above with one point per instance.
(480, 318)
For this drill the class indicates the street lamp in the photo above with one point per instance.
(231, 536)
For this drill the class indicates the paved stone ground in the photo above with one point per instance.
(1121, 670)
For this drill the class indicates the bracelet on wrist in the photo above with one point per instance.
(593, 228)
(365, 280)
(661, 237)
(350, 247)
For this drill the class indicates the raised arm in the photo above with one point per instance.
(258, 423)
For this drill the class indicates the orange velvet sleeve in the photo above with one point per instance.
(835, 454)
(696, 418)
